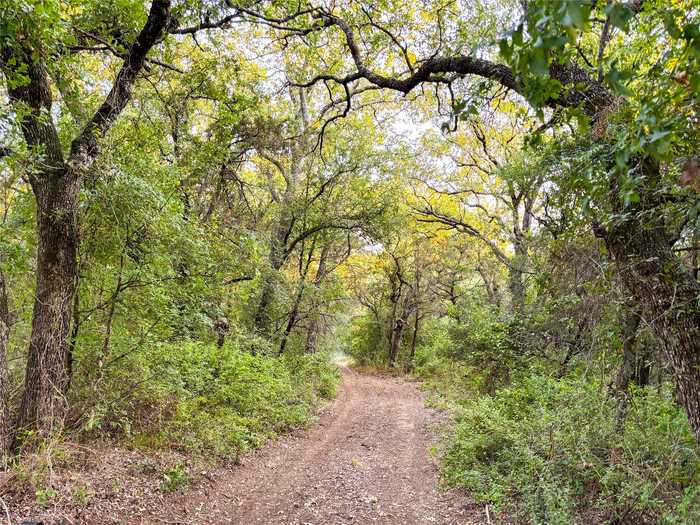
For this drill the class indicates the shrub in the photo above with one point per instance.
(545, 450)
(202, 398)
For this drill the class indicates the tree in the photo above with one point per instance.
(544, 65)
(56, 187)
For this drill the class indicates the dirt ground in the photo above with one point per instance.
(365, 461)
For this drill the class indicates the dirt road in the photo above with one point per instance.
(365, 462)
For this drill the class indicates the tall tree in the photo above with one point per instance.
(56, 186)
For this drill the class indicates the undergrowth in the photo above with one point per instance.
(543, 450)
(204, 399)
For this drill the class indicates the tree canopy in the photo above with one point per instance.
(500, 197)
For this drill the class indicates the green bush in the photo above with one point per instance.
(368, 344)
(546, 451)
(202, 398)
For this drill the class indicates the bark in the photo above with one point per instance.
(592, 95)
(659, 283)
(5, 419)
(43, 403)
(397, 332)
(492, 292)
(263, 315)
(315, 325)
(517, 290)
(630, 324)
(74, 332)
(414, 338)
(221, 326)
(298, 296)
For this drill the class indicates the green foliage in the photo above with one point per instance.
(547, 451)
(368, 342)
(80, 496)
(174, 478)
(207, 399)
(44, 496)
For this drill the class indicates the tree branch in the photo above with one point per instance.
(84, 148)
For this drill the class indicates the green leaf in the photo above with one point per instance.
(620, 15)
(538, 62)
(616, 79)
(505, 49)
(577, 14)
(518, 36)
(671, 26)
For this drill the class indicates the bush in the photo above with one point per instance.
(203, 398)
(368, 344)
(546, 451)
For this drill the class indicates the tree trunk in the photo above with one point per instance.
(56, 189)
(630, 323)
(5, 425)
(517, 290)
(314, 324)
(414, 338)
(277, 256)
(660, 284)
(395, 343)
(515, 270)
(43, 403)
(263, 316)
(492, 292)
(294, 314)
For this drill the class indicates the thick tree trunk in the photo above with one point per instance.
(660, 284)
(43, 403)
(5, 420)
(315, 324)
(263, 314)
(397, 331)
(56, 191)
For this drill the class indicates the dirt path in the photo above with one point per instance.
(365, 462)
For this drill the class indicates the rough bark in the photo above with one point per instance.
(315, 324)
(5, 419)
(263, 316)
(630, 323)
(396, 337)
(517, 290)
(659, 283)
(221, 326)
(43, 403)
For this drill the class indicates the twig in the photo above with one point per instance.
(7, 512)
(488, 516)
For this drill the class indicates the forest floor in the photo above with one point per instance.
(365, 461)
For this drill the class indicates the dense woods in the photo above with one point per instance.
(204, 204)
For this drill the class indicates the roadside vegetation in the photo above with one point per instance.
(202, 201)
